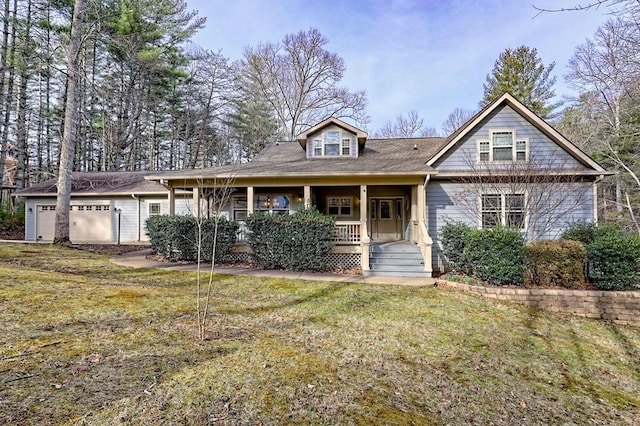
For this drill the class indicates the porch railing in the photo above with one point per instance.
(343, 233)
(347, 233)
(241, 235)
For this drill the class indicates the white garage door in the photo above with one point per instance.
(45, 222)
(87, 223)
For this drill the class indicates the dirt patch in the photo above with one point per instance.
(112, 249)
(12, 232)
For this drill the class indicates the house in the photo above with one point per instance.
(106, 207)
(391, 196)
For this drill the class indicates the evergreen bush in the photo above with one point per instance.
(556, 263)
(453, 239)
(299, 242)
(579, 231)
(496, 255)
(176, 237)
(614, 258)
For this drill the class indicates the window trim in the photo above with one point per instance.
(343, 143)
(340, 198)
(270, 209)
(239, 207)
(154, 204)
(503, 213)
(514, 147)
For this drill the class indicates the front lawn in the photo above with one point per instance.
(83, 341)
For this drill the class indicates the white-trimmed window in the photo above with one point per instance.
(332, 143)
(273, 203)
(317, 147)
(155, 209)
(503, 146)
(346, 146)
(239, 207)
(340, 206)
(503, 209)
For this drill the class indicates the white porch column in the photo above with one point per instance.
(172, 201)
(421, 202)
(364, 232)
(307, 196)
(196, 202)
(249, 199)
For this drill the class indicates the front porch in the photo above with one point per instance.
(367, 215)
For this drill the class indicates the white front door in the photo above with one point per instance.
(386, 216)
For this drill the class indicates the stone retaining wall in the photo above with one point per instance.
(622, 307)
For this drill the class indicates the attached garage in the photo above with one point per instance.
(106, 207)
(87, 222)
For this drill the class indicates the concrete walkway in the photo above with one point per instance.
(138, 259)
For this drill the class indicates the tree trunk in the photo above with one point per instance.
(67, 149)
(3, 69)
(21, 119)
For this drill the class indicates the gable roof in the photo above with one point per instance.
(99, 183)
(360, 134)
(531, 117)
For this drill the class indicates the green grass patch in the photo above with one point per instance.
(84, 341)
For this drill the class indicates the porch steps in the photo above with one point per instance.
(396, 259)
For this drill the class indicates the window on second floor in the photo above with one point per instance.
(503, 209)
(503, 146)
(331, 144)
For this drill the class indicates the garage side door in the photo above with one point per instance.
(90, 223)
(45, 222)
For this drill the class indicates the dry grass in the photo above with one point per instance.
(86, 342)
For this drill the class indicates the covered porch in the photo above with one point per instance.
(367, 214)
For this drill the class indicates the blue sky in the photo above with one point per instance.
(430, 56)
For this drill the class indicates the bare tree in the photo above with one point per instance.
(299, 78)
(606, 71)
(61, 234)
(538, 195)
(456, 119)
(615, 6)
(219, 190)
(410, 126)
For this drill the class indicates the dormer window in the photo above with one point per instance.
(503, 146)
(346, 146)
(331, 144)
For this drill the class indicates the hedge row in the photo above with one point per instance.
(299, 242)
(178, 237)
(501, 257)
(613, 255)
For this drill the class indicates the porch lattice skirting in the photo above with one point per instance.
(335, 261)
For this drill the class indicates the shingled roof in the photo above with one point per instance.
(100, 183)
(379, 157)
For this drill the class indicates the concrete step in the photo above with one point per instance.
(373, 273)
(395, 248)
(398, 268)
(396, 260)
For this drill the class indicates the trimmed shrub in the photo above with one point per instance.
(453, 238)
(614, 258)
(496, 255)
(299, 242)
(556, 263)
(579, 231)
(176, 237)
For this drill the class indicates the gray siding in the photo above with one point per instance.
(30, 215)
(442, 207)
(442, 204)
(542, 149)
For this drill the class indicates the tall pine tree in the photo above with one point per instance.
(521, 72)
